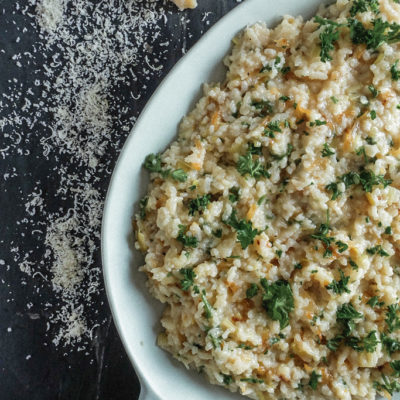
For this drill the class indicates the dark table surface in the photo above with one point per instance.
(31, 366)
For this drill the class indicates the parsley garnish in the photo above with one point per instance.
(186, 240)
(244, 229)
(370, 342)
(391, 345)
(353, 265)
(278, 300)
(217, 233)
(327, 151)
(340, 286)
(334, 100)
(142, 207)
(396, 368)
(234, 194)
(278, 157)
(227, 379)
(328, 36)
(252, 291)
(284, 98)
(334, 343)
(392, 319)
(374, 302)
(322, 234)
(318, 122)
(199, 204)
(388, 230)
(264, 106)
(246, 165)
(377, 250)
(152, 162)
(334, 188)
(388, 386)
(298, 266)
(347, 314)
(394, 71)
(375, 92)
(314, 378)
(360, 6)
(216, 341)
(207, 306)
(373, 114)
(188, 278)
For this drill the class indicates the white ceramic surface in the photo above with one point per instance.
(135, 313)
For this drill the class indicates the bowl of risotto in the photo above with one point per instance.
(257, 245)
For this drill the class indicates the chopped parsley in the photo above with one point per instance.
(278, 253)
(234, 194)
(346, 315)
(284, 98)
(328, 37)
(387, 385)
(188, 278)
(375, 92)
(186, 240)
(199, 204)
(334, 188)
(392, 319)
(252, 291)
(334, 343)
(216, 341)
(142, 207)
(274, 126)
(261, 199)
(217, 233)
(207, 305)
(253, 149)
(370, 342)
(179, 175)
(278, 300)
(278, 157)
(227, 379)
(342, 247)
(314, 380)
(264, 106)
(372, 114)
(353, 264)
(298, 266)
(374, 302)
(247, 166)
(327, 151)
(152, 162)
(318, 122)
(388, 230)
(340, 286)
(245, 346)
(394, 71)
(244, 230)
(377, 250)
(396, 368)
(334, 100)
(322, 234)
(391, 345)
(360, 6)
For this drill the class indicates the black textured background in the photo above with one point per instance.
(30, 366)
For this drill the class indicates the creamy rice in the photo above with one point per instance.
(271, 225)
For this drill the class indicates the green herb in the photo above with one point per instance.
(278, 253)
(322, 234)
(388, 386)
(186, 240)
(227, 379)
(388, 230)
(374, 302)
(370, 342)
(298, 266)
(193, 187)
(246, 165)
(354, 342)
(265, 68)
(361, 151)
(392, 320)
(327, 151)
(314, 378)
(317, 122)
(342, 247)
(252, 291)
(375, 92)
(396, 368)
(278, 300)
(285, 69)
(328, 36)
(264, 106)
(217, 233)
(391, 345)
(179, 175)
(252, 149)
(142, 207)
(244, 230)
(234, 194)
(199, 204)
(334, 343)
(188, 278)
(373, 114)
(394, 71)
(353, 264)
(152, 162)
(216, 341)
(252, 380)
(334, 188)
(284, 98)
(245, 346)
(207, 306)
(377, 250)
(360, 6)
(261, 199)
(340, 286)
(278, 157)
(346, 315)
(334, 100)
(234, 257)
(274, 126)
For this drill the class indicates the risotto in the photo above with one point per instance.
(271, 225)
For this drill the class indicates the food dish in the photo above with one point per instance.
(338, 242)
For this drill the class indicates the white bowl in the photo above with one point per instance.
(136, 313)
